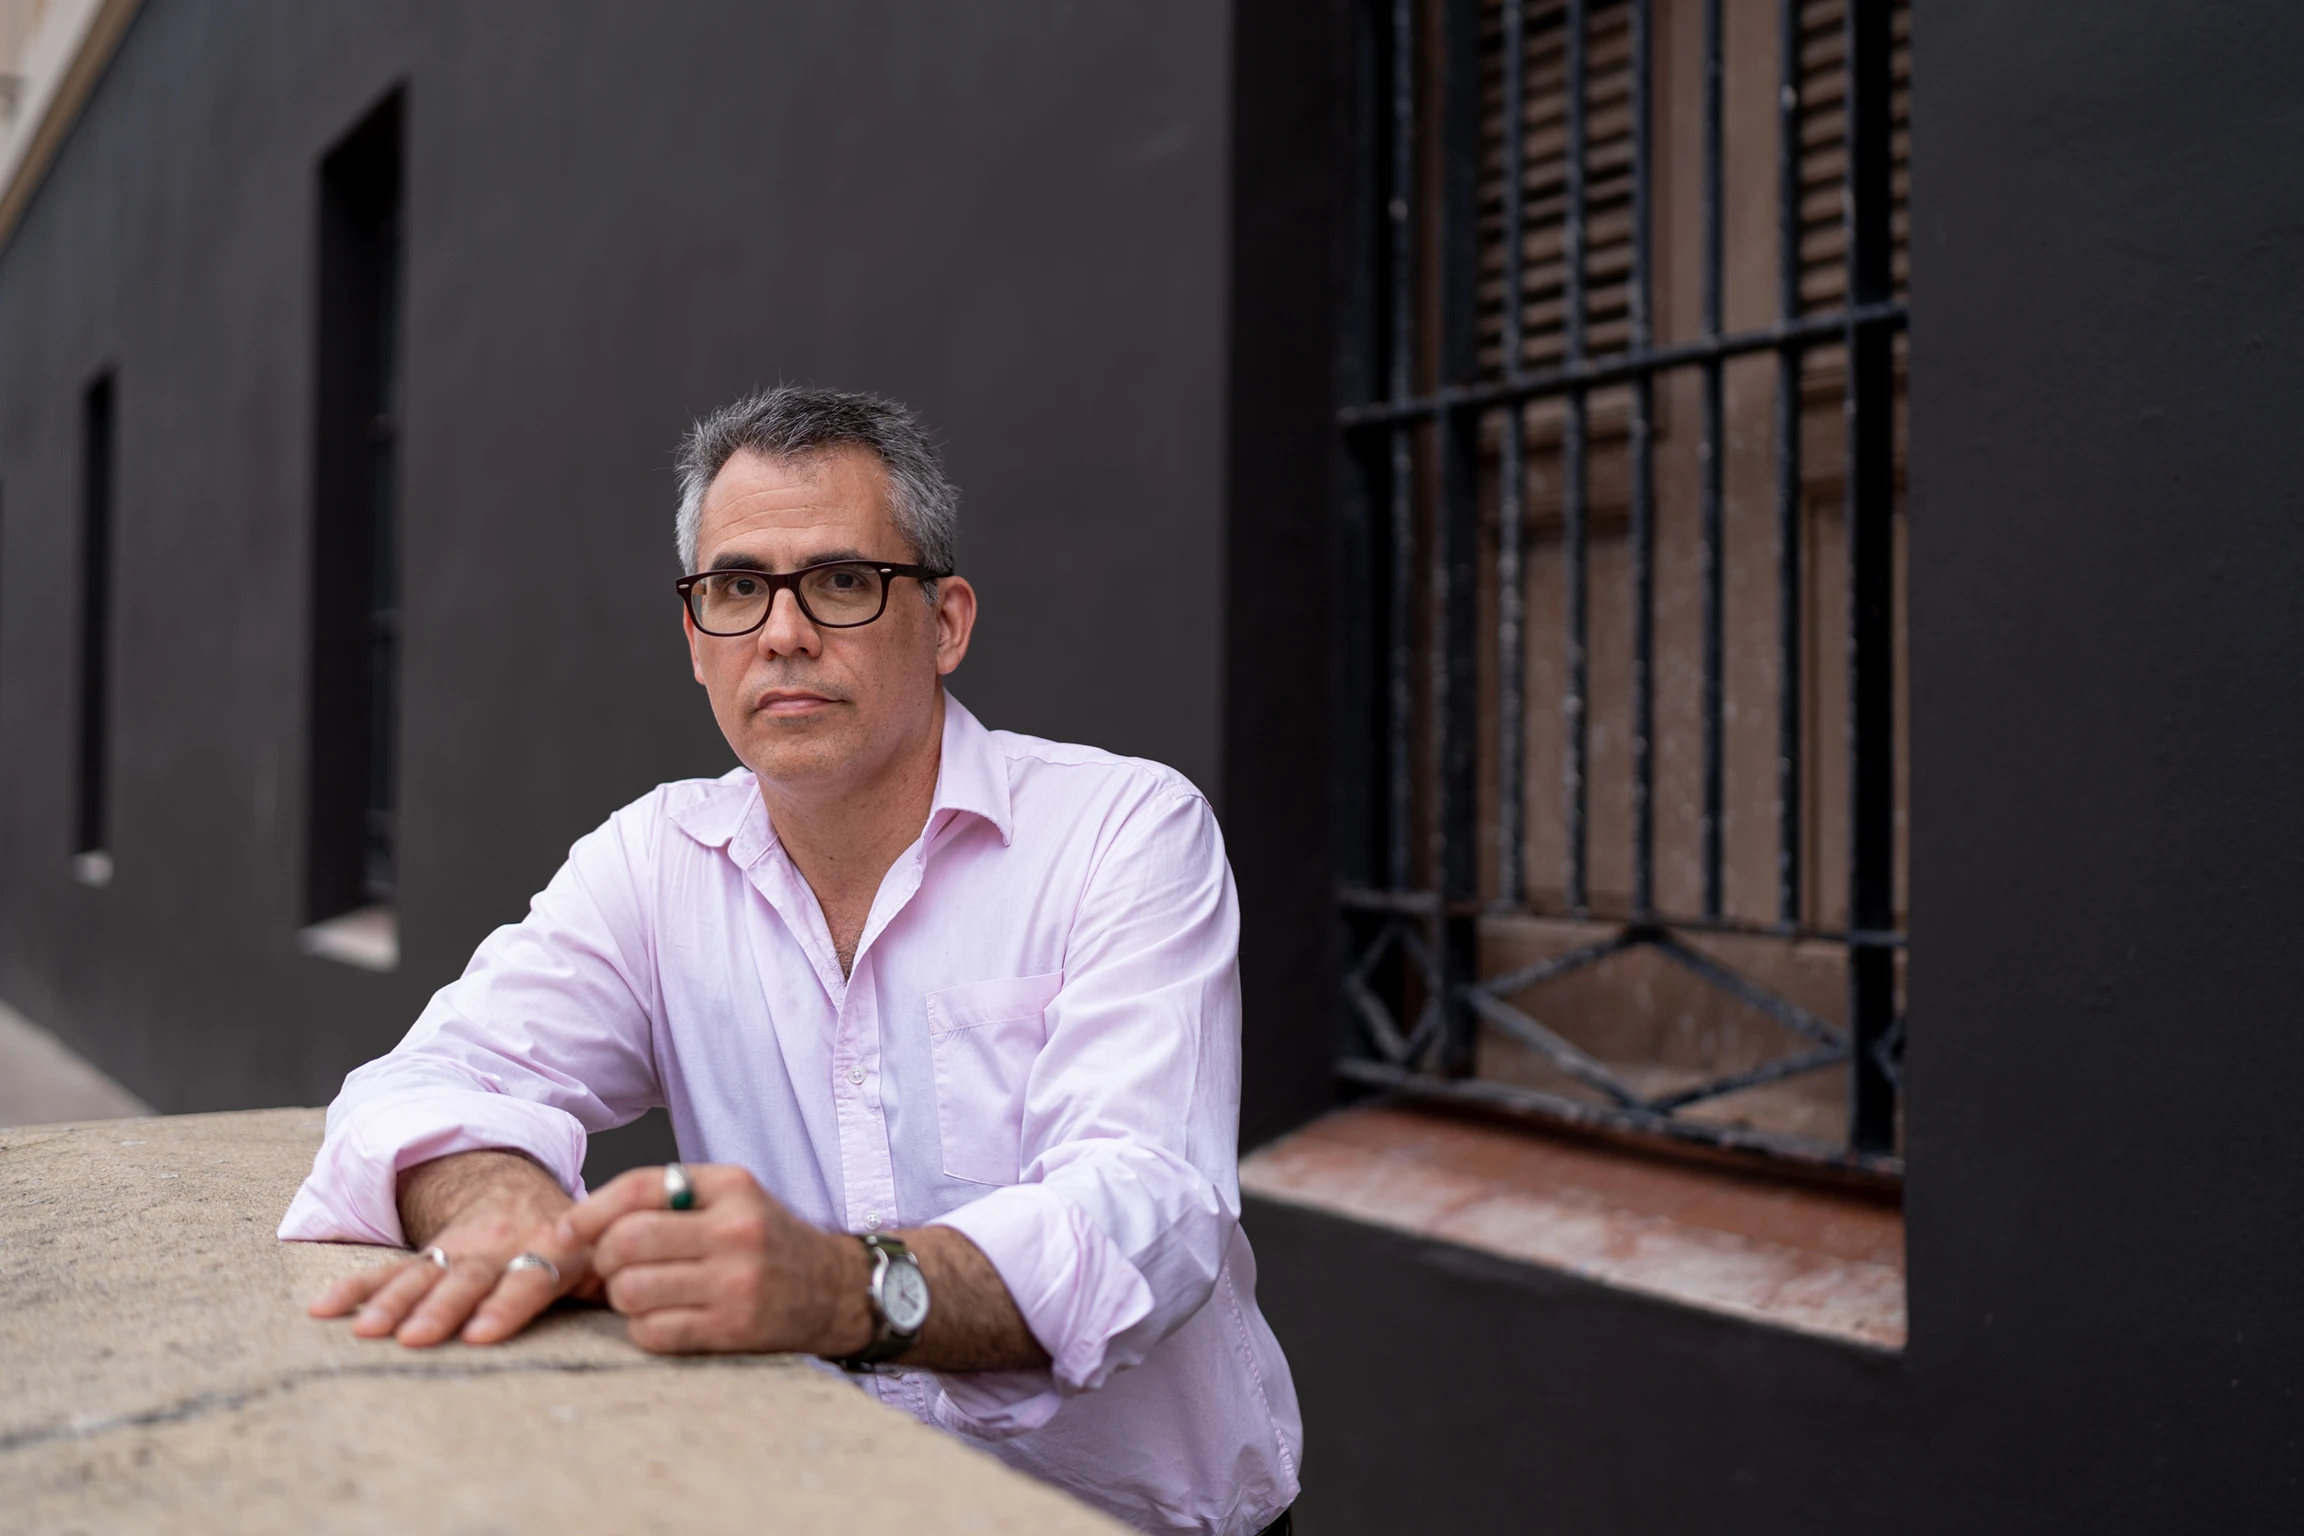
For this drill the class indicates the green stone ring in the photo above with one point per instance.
(679, 1189)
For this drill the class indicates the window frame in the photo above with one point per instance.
(1416, 400)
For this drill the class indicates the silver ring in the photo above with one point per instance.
(679, 1189)
(437, 1257)
(536, 1261)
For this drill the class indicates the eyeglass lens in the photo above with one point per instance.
(735, 602)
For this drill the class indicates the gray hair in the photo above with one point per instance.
(791, 422)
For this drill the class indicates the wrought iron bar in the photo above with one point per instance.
(1399, 654)
(1576, 1063)
(1712, 460)
(1560, 1109)
(1747, 991)
(1456, 571)
(1406, 903)
(1536, 973)
(1576, 551)
(1512, 471)
(1787, 429)
(1618, 367)
(1768, 1072)
(1643, 530)
(1367, 899)
(1357, 659)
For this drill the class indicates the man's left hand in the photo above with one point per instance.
(738, 1272)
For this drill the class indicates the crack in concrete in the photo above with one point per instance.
(233, 1398)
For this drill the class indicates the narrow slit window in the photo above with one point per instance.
(352, 867)
(91, 840)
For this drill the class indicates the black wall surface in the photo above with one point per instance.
(1011, 215)
(1288, 118)
(2106, 1205)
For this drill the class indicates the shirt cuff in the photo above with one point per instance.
(352, 1195)
(1075, 1288)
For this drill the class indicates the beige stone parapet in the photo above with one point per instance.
(158, 1373)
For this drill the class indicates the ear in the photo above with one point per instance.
(695, 643)
(955, 622)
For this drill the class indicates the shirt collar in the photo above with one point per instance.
(721, 809)
(971, 777)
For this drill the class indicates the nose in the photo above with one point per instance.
(786, 631)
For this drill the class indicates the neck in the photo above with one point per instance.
(843, 839)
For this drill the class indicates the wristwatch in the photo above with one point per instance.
(898, 1294)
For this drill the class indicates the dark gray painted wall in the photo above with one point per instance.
(1010, 214)
(2107, 1199)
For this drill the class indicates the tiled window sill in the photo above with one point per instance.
(1810, 1258)
(366, 939)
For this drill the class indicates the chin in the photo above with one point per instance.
(786, 751)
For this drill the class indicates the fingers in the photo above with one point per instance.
(673, 1331)
(518, 1295)
(477, 1296)
(640, 1189)
(651, 1237)
(345, 1294)
(390, 1303)
(443, 1308)
(653, 1287)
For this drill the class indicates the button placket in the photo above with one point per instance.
(867, 1166)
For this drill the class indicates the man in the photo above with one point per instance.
(970, 996)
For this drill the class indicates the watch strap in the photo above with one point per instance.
(886, 1343)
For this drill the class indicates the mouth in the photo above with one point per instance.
(792, 702)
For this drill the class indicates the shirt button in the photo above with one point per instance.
(856, 1074)
(872, 1222)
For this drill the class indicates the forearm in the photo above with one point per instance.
(973, 1323)
(435, 1195)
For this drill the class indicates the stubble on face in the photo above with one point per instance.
(807, 708)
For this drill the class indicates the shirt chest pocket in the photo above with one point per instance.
(985, 1037)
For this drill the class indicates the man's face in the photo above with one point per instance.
(806, 707)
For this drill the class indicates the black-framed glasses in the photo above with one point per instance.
(839, 594)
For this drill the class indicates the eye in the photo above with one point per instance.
(845, 581)
(741, 587)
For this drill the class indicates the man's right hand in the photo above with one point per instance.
(482, 1209)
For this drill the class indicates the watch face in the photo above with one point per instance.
(904, 1297)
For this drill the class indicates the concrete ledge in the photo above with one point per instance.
(157, 1372)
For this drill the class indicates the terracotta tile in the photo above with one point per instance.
(1792, 1255)
(1535, 1231)
(1376, 1188)
(1705, 1268)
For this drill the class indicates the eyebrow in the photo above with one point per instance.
(739, 562)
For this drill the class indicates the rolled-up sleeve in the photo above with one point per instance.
(1129, 1195)
(545, 1038)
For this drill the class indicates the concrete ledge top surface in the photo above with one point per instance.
(158, 1371)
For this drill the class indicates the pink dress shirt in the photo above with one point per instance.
(1038, 1045)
